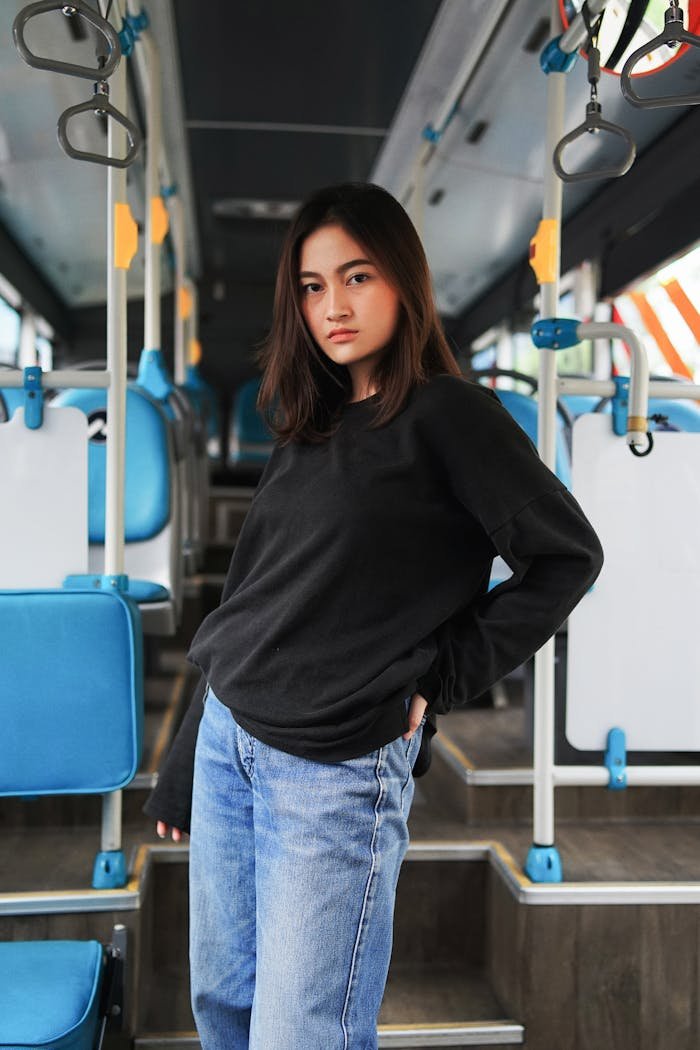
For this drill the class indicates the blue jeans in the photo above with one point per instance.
(293, 872)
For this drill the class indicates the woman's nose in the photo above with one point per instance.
(337, 305)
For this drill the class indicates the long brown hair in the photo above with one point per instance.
(302, 389)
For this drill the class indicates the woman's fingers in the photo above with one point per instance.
(416, 710)
(162, 830)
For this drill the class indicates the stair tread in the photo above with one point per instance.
(612, 851)
(414, 995)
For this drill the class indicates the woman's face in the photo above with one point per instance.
(341, 288)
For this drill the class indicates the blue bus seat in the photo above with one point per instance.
(682, 413)
(252, 440)
(523, 409)
(13, 398)
(72, 668)
(152, 518)
(206, 403)
(50, 994)
(71, 699)
(182, 410)
(579, 404)
(155, 380)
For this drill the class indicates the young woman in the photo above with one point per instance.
(355, 606)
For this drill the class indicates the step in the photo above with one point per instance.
(476, 1035)
(437, 972)
(484, 752)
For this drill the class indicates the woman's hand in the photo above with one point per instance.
(416, 710)
(162, 830)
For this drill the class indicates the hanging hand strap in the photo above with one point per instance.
(77, 7)
(673, 34)
(594, 122)
(101, 106)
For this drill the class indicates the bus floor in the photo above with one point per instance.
(481, 956)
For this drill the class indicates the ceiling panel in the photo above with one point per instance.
(310, 61)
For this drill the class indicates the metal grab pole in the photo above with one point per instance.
(178, 236)
(109, 863)
(543, 802)
(543, 862)
(153, 198)
(147, 60)
(116, 343)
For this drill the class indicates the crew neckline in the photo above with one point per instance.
(364, 401)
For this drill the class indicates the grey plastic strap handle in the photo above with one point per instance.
(78, 7)
(594, 122)
(99, 104)
(673, 32)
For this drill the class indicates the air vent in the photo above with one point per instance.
(538, 37)
(477, 132)
(436, 196)
(239, 208)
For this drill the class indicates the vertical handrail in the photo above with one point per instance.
(192, 331)
(111, 833)
(543, 861)
(177, 224)
(543, 800)
(116, 346)
(155, 227)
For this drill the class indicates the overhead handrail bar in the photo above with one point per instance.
(594, 122)
(76, 7)
(66, 378)
(672, 34)
(100, 106)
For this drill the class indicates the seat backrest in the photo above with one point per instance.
(252, 439)
(683, 414)
(524, 410)
(71, 692)
(13, 398)
(43, 476)
(147, 507)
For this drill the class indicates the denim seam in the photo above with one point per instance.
(361, 924)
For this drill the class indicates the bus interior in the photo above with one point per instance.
(152, 156)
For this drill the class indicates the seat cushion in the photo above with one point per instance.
(49, 994)
(71, 692)
(144, 591)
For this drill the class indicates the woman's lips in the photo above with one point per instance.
(341, 337)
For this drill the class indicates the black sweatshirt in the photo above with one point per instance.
(360, 576)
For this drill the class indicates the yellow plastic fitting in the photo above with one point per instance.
(195, 351)
(184, 303)
(126, 236)
(544, 251)
(160, 223)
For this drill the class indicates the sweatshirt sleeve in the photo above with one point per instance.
(171, 798)
(543, 535)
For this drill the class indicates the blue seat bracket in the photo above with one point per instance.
(33, 398)
(555, 333)
(620, 404)
(109, 872)
(153, 375)
(79, 581)
(616, 759)
(543, 864)
(554, 60)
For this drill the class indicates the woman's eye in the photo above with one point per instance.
(365, 277)
(306, 287)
